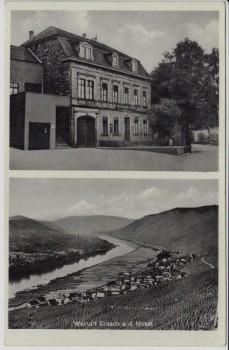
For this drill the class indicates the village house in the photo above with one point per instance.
(125, 282)
(77, 92)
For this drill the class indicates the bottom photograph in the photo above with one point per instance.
(113, 254)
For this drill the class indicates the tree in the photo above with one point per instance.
(190, 77)
(165, 120)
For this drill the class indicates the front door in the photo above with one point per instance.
(86, 131)
(127, 129)
(39, 136)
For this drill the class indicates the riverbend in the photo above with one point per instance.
(34, 282)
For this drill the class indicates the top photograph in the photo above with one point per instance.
(115, 90)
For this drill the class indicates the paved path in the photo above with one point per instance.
(203, 158)
(205, 262)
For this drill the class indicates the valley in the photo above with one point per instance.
(168, 302)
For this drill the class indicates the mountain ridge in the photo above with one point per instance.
(188, 230)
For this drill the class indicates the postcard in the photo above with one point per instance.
(115, 171)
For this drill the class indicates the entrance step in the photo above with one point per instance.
(60, 143)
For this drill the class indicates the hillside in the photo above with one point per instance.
(30, 236)
(91, 223)
(189, 230)
(36, 248)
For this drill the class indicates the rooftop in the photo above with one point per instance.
(22, 54)
(101, 52)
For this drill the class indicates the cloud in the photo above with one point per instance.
(152, 193)
(150, 201)
(139, 34)
(196, 197)
(207, 36)
(81, 208)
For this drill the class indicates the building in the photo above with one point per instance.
(209, 135)
(26, 71)
(91, 96)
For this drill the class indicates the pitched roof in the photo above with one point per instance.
(22, 54)
(101, 52)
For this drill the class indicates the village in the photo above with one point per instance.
(165, 268)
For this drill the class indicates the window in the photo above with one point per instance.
(144, 99)
(104, 92)
(115, 93)
(136, 126)
(83, 51)
(105, 126)
(14, 88)
(135, 97)
(145, 127)
(126, 95)
(82, 84)
(90, 90)
(88, 53)
(32, 87)
(134, 65)
(115, 60)
(115, 126)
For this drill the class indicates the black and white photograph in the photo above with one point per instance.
(115, 173)
(113, 254)
(114, 90)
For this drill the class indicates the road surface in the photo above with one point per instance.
(203, 158)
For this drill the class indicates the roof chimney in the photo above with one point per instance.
(84, 35)
(31, 35)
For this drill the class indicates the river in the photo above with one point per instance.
(121, 247)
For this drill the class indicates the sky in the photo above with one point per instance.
(144, 35)
(50, 199)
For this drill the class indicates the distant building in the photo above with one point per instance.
(208, 135)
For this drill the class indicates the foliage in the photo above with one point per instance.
(164, 118)
(190, 77)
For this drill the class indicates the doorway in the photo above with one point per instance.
(127, 129)
(86, 136)
(39, 136)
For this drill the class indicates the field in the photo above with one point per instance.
(188, 304)
(92, 277)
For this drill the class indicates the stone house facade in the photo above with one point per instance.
(109, 93)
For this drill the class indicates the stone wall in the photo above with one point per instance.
(56, 74)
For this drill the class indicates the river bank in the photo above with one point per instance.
(52, 262)
(70, 277)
